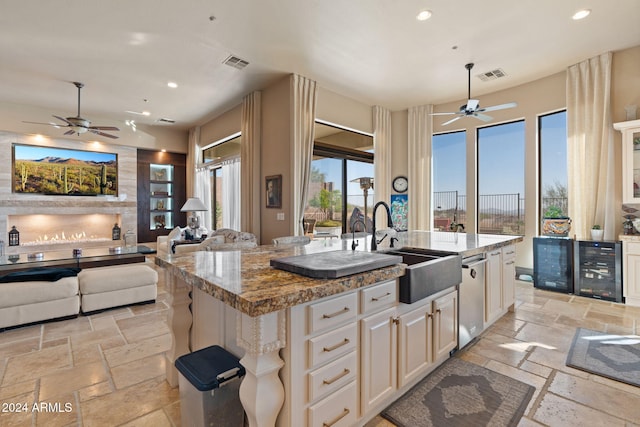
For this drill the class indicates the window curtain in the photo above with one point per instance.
(203, 192)
(250, 157)
(419, 167)
(590, 147)
(382, 159)
(305, 94)
(231, 198)
(194, 158)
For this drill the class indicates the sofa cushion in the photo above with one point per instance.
(23, 293)
(112, 278)
(40, 274)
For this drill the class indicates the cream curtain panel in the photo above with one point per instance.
(419, 167)
(590, 147)
(305, 95)
(382, 164)
(203, 192)
(250, 160)
(231, 194)
(193, 160)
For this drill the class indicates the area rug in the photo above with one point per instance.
(461, 393)
(609, 355)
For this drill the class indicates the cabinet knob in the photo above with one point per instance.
(396, 320)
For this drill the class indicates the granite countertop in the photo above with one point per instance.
(245, 280)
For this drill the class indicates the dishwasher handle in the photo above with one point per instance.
(476, 263)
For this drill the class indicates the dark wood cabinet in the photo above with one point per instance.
(161, 193)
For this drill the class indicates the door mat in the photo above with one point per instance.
(460, 393)
(609, 355)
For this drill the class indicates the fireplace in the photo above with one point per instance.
(52, 230)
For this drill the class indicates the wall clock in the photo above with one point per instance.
(400, 184)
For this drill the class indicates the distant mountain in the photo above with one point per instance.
(73, 162)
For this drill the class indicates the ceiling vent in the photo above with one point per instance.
(235, 62)
(492, 75)
(163, 120)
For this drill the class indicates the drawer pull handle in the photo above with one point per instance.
(495, 253)
(510, 252)
(509, 263)
(345, 412)
(337, 313)
(438, 311)
(335, 346)
(337, 377)
(380, 297)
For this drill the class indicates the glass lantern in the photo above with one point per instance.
(14, 237)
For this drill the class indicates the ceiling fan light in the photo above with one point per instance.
(78, 129)
(424, 15)
(581, 14)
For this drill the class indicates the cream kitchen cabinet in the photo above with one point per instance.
(508, 277)
(631, 271)
(445, 324)
(493, 287)
(630, 160)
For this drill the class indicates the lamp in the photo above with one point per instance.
(193, 205)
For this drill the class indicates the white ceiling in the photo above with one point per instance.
(375, 51)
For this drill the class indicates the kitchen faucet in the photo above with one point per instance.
(354, 244)
(374, 243)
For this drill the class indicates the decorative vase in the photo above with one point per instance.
(556, 227)
(596, 235)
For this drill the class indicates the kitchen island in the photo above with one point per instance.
(265, 311)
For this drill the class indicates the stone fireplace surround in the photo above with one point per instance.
(35, 215)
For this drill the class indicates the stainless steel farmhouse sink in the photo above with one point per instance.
(427, 274)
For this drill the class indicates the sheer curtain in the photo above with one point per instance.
(250, 186)
(382, 156)
(231, 178)
(304, 114)
(194, 158)
(203, 192)
(590, 147)
(419, 167)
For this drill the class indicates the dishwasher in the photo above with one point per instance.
(471, 299)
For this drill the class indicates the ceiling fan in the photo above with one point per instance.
(77, 124)
(472, 107)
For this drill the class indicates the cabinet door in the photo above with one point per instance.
(632, 279)
(378, 358)
(415, 343)
(445, 317)
(508, 277)
(493, 287)
(630, 160)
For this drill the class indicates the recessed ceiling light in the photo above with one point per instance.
(146, 113)
(424, 15)
(172, 85)
(581, 14)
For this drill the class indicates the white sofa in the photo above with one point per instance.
(219, 240)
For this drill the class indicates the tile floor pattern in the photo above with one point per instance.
(107, 369)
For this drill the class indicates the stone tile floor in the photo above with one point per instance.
(108, 369)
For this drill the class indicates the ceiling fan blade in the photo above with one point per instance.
(472, 104)
(482, 117)
(443, 114)
(64, 120)
(70, 132)
(103, 128)
(452, 120)
(499, 107)
(97, 132)
(41, 123)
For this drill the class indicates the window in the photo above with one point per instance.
(222, 164)
(449, 168)
(553, 161)
(501, 178)
(340, 185)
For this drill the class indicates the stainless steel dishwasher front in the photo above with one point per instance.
(471, 299)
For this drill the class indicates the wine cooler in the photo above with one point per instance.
(553, 263)
(598, 270)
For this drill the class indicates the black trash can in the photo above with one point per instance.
(209, 384)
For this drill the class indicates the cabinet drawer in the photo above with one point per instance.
(337, 410)
(631, 248)
(332, 312)
(332, 344)
(508, 252)
(331, 377)
(378, 297)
